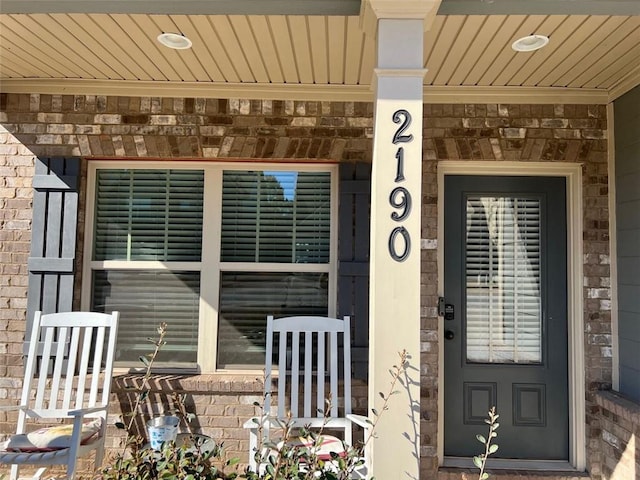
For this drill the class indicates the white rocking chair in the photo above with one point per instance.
(66, 389)
(314, 342)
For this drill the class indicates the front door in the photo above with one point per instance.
(506, 315)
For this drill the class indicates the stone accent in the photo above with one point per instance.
(229, 130)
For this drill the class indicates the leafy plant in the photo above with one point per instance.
(171, 462)
(490, 448)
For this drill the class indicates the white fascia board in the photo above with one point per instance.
(337, 93)
(539, 7)
(186, 7)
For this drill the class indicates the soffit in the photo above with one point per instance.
(312, 55)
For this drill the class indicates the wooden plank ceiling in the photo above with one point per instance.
(588, 52)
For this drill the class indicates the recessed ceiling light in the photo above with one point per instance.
(176, 41)
(530, 43)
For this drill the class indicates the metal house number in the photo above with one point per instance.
(400, 198)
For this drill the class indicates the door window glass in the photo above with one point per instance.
(502, 271)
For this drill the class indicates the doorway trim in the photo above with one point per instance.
(573, 173)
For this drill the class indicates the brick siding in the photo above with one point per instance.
(186, 128)
(618, 444)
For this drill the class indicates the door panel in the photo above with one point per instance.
(506, 341)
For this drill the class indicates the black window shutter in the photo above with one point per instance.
(353, 258)
(53, 236)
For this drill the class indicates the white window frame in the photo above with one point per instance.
(210, 265)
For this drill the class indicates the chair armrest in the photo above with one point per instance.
(253, 422)
(256, 422)
(317, 422)
(360, 420)
(8, 408)
(81, 412)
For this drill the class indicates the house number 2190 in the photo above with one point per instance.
(400, 198)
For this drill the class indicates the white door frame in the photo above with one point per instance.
(573, 173)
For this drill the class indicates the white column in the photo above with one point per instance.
(395, 234)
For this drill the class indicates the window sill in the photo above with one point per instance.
(244, 383)
(619, 405)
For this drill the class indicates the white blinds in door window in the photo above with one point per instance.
(502, 271)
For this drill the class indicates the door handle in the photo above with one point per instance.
(449, 335)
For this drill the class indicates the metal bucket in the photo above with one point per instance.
(162, 429)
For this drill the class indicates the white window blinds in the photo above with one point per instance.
(144, 300)
(502, 268)
(278, 217)
(142, 216)
(148, 215)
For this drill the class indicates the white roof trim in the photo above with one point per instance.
(362, 93)
(186, 7)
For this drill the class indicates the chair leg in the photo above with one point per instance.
(39, 473)
(99, 456)
(253, 446)
(71, 468)
(15, 473)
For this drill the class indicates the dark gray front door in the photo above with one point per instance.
(506, 339)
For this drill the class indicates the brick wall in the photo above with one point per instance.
(618, 445)
(526, 133)
(177, 128)
(16, 171)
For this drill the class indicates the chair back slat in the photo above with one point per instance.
(108, 367)
(74, 343)
(44, 368)
(308, 372)
(333, 373)
(82, 367)
(95, 367)
(282, 376)
(295, 373)
(57, 367)
(268, 366)
(320, 378)
(347, 364)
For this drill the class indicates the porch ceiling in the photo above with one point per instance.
(591, 56)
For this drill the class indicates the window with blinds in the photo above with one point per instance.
(282, 220)
(142, 216)
(152, 256)
(502, 269)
